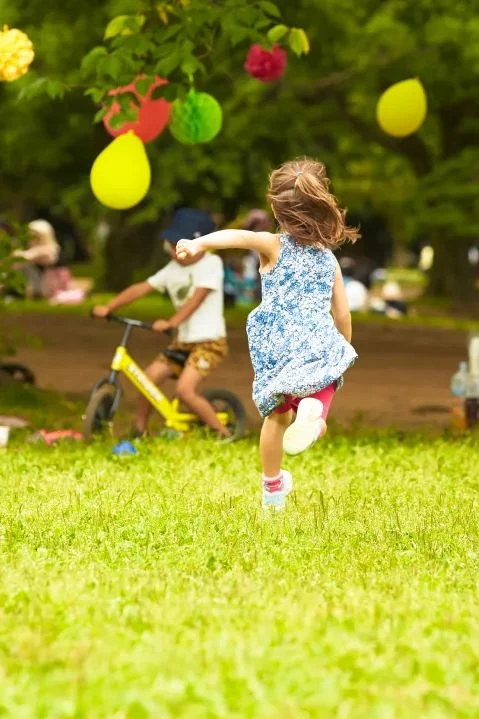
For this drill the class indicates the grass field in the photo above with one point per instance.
(153, 586)
(155, 306)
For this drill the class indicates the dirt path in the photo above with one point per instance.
(401, 378)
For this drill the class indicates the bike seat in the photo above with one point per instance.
(177, 356)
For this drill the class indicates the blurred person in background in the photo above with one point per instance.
(393, 296)
(356, 291)
(256, 221)
(391, 302)
(43, 276)
(232, 286)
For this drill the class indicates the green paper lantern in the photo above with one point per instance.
(196, 119)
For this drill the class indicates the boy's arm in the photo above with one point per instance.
(132, 293)
(340, 306)
(190, 306)
(265, 243)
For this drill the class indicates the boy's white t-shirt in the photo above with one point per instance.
(207, 322)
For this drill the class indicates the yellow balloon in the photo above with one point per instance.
(120, 176)
(402, 108)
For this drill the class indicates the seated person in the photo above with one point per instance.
(356, 291)
(44, 277)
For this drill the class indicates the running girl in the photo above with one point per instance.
(298, 349)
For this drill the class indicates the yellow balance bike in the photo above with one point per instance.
(106, 394)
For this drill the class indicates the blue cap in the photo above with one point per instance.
(187, 224)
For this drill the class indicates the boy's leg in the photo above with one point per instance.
(158, 371)
(277, 483)
(187, 391)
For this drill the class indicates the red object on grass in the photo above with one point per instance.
(52, 437)
(153, 115)
(266, 65)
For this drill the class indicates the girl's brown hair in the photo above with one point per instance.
(304, 207)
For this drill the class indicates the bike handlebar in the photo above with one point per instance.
(128, 321)
(131, 322)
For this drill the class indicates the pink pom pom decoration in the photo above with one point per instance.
(266, 65)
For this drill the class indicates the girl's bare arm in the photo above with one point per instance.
(265, 243)
(340, 306)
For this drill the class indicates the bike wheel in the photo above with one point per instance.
(18, 372)
(227, 402)
(6, 379)
(99, 412)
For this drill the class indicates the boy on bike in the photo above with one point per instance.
(195, 287)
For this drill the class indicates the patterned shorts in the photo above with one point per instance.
(204, 357)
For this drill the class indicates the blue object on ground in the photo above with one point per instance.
(124, 448)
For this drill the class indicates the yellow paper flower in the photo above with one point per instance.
(16, 54)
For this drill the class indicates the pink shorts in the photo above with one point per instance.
(324, 395)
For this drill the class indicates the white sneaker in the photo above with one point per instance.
(277, 500)
(306, 428)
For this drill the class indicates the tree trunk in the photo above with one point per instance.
(128, 250)
(451, 275)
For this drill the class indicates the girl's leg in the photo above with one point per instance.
(271, 443)
(310, 422)
(326, 397)
(277, 482)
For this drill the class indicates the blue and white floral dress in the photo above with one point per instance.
(294, 345)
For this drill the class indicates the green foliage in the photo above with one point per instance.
(9, 242)
(277, 32)
(124, 25)
(182, 41)
(48, 140)
(298, 41)
(152, 586)
(423, 187)
(11, 239)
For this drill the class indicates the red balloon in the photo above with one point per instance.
(153, 115)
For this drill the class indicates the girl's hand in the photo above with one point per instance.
(187, 248)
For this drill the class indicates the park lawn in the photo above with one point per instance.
(152, 586)
(155, 306)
